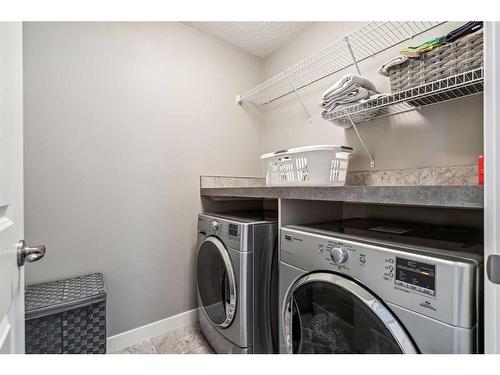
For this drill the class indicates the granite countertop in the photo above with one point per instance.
(453, 188)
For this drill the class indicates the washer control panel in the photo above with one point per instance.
(334, 253)
(429, 284)
(416, 276)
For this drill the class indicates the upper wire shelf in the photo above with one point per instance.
(442, 90)
(365, 42)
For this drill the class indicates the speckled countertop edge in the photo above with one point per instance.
(424, 196)
(451, 187)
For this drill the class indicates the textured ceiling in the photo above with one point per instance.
(258, 38)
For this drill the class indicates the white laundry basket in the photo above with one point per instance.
(322, 165)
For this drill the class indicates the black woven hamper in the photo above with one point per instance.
(67, 316)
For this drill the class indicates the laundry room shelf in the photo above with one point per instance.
(470, 197)
(363, 43)
(451, 88)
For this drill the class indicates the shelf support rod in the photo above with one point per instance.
(370, 156)
(352, 55)
(309, 118)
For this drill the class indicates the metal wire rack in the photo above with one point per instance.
(446, 89)
(365, 42)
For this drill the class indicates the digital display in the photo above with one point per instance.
(415, 275)
(233, 230)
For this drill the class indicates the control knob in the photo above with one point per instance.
(215, 225)
(339, 254)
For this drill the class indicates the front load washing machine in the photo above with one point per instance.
(237, 266)
(368, 286)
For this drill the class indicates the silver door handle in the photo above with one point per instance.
(493, 268)
(29, 253)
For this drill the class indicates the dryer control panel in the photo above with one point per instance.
(435, 285)
(229, 232)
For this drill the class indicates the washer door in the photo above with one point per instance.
(216, 282)
(327, 313)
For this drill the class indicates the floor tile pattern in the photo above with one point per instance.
(186, 340)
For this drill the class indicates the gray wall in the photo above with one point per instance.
(120, 121)
(443, 135)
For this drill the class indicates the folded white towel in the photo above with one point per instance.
(341, 107)
(347, 92)
(350, 98)
(363, 116)
(346, 83)
(353, 95)
(398, 60)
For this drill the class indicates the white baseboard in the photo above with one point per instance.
(125, 339)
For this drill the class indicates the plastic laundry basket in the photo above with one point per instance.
(66, 316)
(322, 165)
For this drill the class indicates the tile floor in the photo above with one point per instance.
(186, 340)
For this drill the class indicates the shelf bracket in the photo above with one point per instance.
(309, 118)
(370, 156)
(352, 55)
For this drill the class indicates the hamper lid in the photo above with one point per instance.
(62, 295)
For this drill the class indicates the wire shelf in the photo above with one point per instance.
(365, 42)
(446, 89)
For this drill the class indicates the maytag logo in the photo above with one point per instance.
(288, 237)
(428, 305)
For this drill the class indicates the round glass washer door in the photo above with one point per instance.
(216, 282)
(327, 313)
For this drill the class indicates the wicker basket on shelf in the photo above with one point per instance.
(450, 59)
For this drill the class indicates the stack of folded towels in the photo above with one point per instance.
(346, 92)
(415, 52)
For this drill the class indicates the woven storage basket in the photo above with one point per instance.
(450, 59)
(67, 316)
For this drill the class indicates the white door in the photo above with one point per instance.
(492, 188)
(13, 252)
(11, 188)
